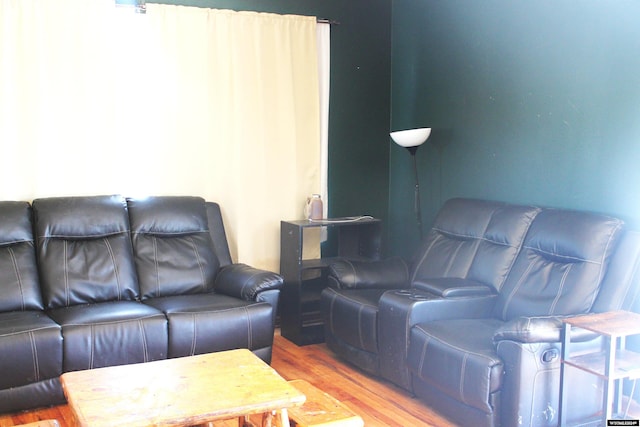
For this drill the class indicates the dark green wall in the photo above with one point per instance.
(530, 102)
(360, 100)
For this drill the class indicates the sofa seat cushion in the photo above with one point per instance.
(458, 358)
(212, 322)
(31, 348)
(111, 333)
(352, 316)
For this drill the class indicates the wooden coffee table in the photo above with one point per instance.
(181, 392)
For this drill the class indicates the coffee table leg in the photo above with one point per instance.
(279, 418)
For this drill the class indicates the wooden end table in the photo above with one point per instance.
(613, 364)
(181, 392)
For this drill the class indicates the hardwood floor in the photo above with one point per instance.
(378, 402)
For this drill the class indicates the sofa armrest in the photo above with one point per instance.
(245, 282)
(390, 273)
(453, 287)
(540, 329)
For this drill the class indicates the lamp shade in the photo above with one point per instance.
(410, 137)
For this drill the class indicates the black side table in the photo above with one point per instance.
(304, 279)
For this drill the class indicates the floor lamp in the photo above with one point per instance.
(412, 139)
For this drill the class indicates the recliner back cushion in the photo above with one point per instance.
(560, 266)
(500, 244)
(474, 239)
(172, 246)
(19, 287)
(84, 250)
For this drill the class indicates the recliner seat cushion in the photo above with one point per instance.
(31, 348)
(111, 333)
(174, 253)
(458, 358)
(206, 323)
(84, 250)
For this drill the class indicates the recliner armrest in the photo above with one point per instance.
(538, 330)
(390, 273)
(243, 281)
(453, 287)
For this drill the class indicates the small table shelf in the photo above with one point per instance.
(304, 279)
(613, 364)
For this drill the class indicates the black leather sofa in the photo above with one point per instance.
(88, 282)
(472, 325)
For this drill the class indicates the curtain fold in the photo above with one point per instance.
(182, 100)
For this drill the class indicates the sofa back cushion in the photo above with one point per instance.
(474, 239)
(560, 266)
(84, 250)
(172, 246)
(19, 284)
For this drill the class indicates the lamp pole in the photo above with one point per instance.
(416, 193)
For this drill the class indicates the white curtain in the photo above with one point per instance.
(182, 100)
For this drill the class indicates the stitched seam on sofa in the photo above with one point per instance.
(169, 233)
(34, 352)
(154, 242)
(15, 242)
(115, 267)
(11, 334)
(93, 346)
(82, 236)
(196, 254)
(424, 256)
(423, 354)
(453, 257)
(470, 237)
(515, 290)
(563, 281)
(143, 337)
(629, 281)
(115, 322)
(195, 334)
(66, 274)
(567, 257)
(481, 239)
(463, 370)
(249, 328)
(602, 261)
(16, 271)
(360, 337)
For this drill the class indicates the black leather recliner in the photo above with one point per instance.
(475, 331)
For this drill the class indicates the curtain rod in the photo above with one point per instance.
(327, 21)
(140, 7)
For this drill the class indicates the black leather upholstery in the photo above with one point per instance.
(475, 332)
(75, 232)
(470, 249)
(109, 281)
(30, 342)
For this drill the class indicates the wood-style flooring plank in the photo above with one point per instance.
(378, 402)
